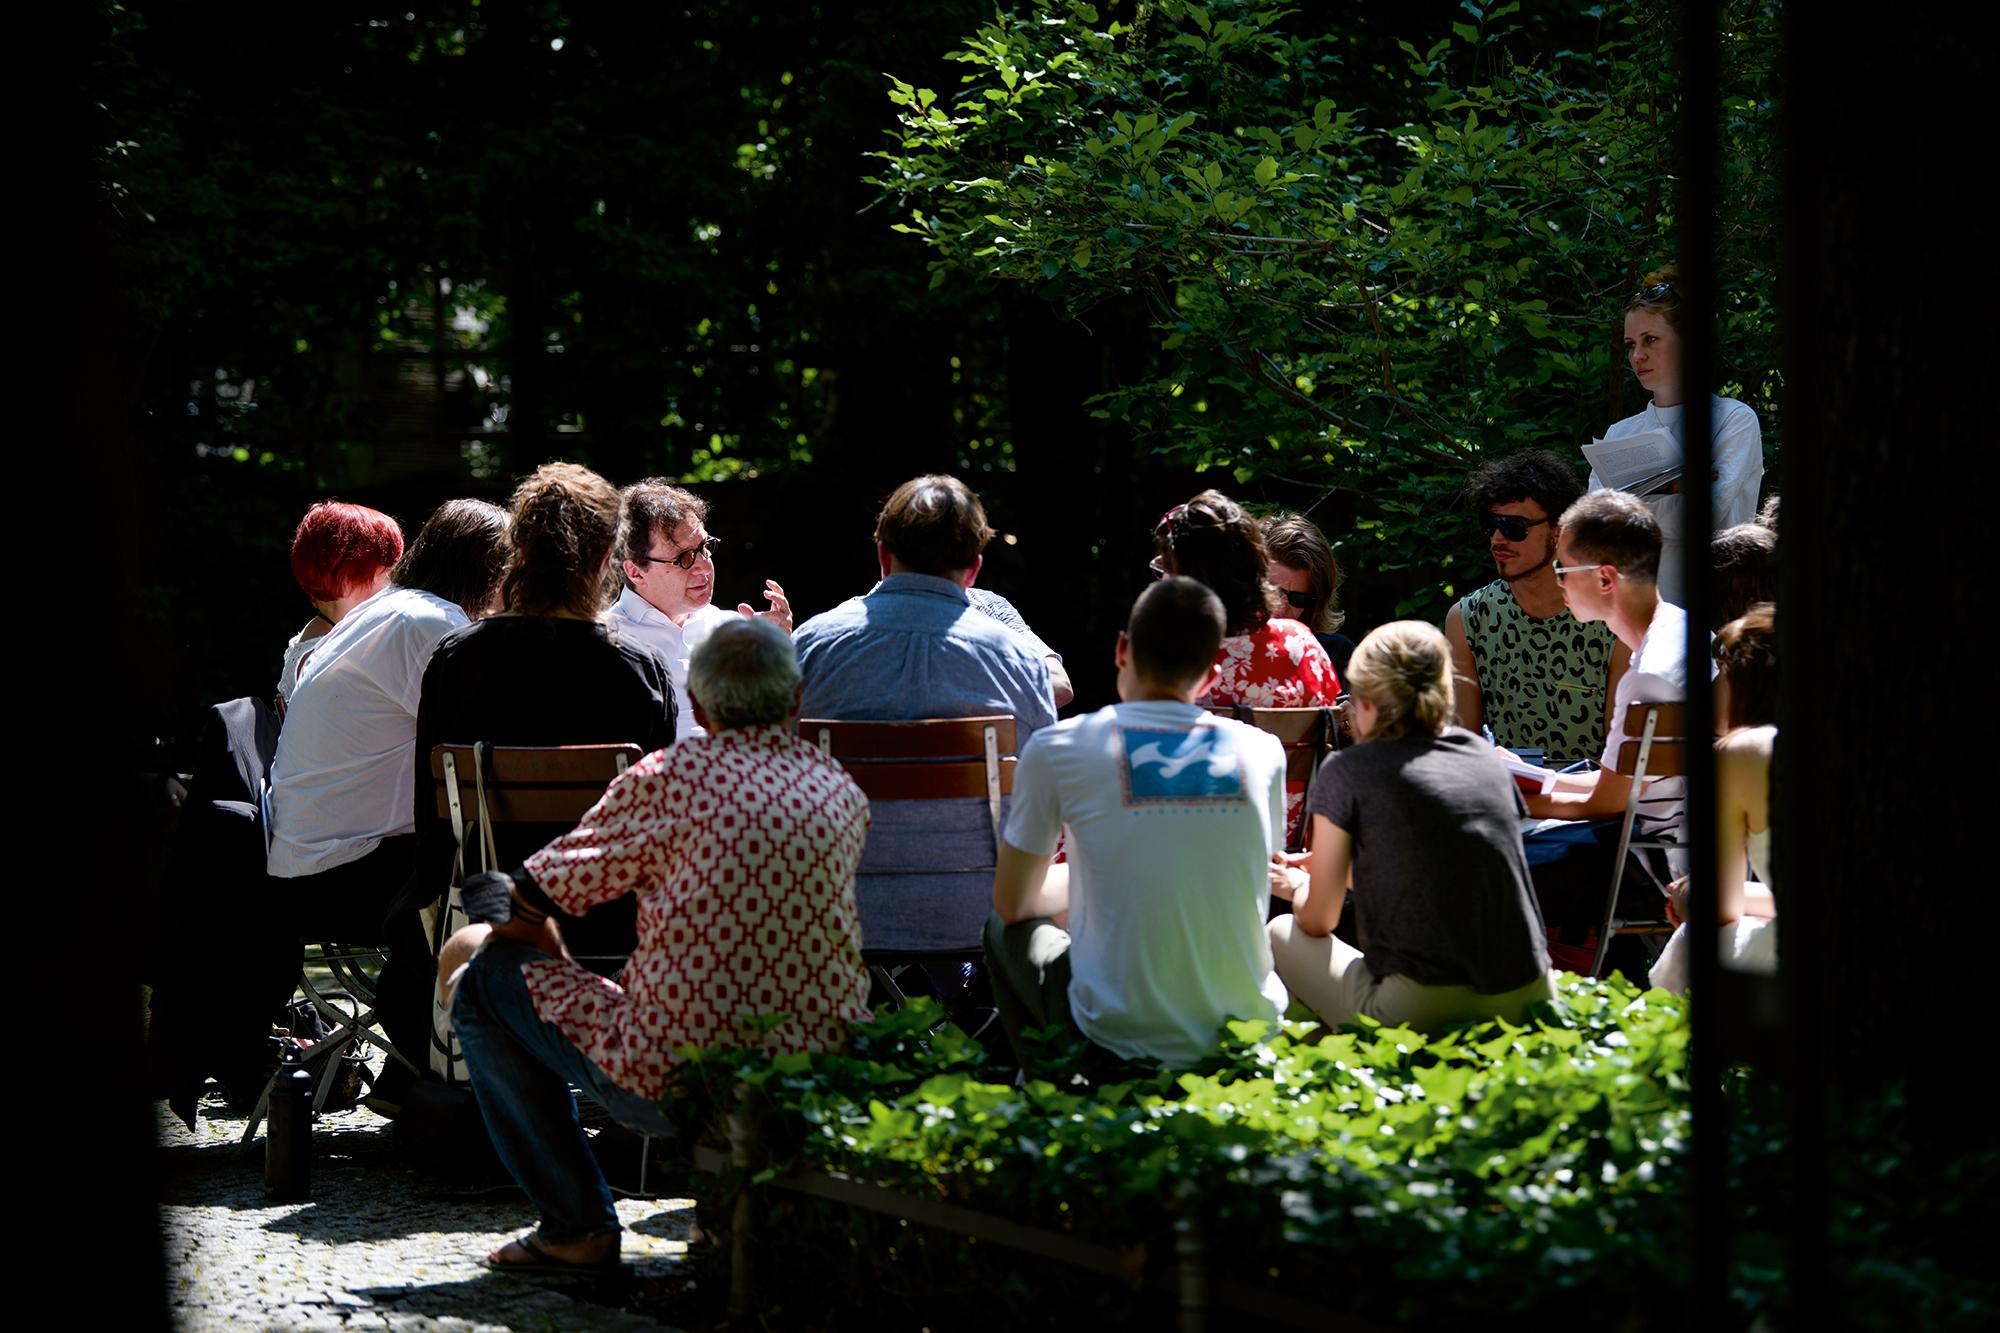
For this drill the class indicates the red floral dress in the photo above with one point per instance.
(742, 849)
(1279, 665)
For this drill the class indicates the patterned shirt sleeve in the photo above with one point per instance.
(621, 846)
(1322, 684)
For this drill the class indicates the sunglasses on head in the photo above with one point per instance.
(1659, 291)
(1511, 526)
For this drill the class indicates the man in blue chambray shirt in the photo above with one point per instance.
(914, 647)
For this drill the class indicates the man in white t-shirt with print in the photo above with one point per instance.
(668, 603)
(1151, 935)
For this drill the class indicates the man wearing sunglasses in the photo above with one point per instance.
(1538, 676)
(668, 559)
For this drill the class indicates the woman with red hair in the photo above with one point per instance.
(341, 556)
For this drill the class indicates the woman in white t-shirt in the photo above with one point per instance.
(1653, 349)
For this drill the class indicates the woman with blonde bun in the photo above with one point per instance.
(1419, 825)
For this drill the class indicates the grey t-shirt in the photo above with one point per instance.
(1440, 877)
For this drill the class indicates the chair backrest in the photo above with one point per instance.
(932, 759)
(1308, 734)
(526, 784)
(1667, 755)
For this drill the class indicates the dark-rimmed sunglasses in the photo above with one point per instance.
(1659, 291)
(1514, 527)
(685, 560)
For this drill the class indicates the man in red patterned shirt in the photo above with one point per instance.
(741, 849)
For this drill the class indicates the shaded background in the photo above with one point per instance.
(398, 256)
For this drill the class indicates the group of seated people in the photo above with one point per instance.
(735, 874)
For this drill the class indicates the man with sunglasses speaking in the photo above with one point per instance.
(668, 559)
(1538, 676)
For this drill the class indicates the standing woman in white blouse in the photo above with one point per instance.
(1653, 348)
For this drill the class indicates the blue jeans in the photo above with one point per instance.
(521, 1070)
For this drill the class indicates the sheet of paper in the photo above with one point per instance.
(1638, 463)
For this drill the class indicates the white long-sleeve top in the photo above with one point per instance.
(1738, 457)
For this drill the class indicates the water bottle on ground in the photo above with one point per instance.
(288, 1135)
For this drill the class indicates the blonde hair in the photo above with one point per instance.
(1404, 670)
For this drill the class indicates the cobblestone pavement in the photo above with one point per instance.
(379, 1246)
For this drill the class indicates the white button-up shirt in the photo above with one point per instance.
(344, 777)
(635, 618)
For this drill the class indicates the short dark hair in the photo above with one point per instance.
(1296, 541)
(1746, 653)
(649, 504)
(339, 547)
(1210, 538)
(458, 554)
(564, 523)
(1616, 529)
(933, 525)
(1745, 561)
(1537, 475)
(1175, 630)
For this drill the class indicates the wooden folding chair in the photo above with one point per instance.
(481, 787)
(1654, 746)
(1309, 735)
(933, 759)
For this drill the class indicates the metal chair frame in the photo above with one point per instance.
(1657, 752)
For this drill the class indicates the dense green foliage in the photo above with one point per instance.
(1492, 1169)
(1367, 260)
(1492, 1175)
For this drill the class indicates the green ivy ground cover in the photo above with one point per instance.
(1490, 1175)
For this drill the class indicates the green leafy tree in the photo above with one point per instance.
(1367, 261)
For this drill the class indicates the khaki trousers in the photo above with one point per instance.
(1329, 975)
